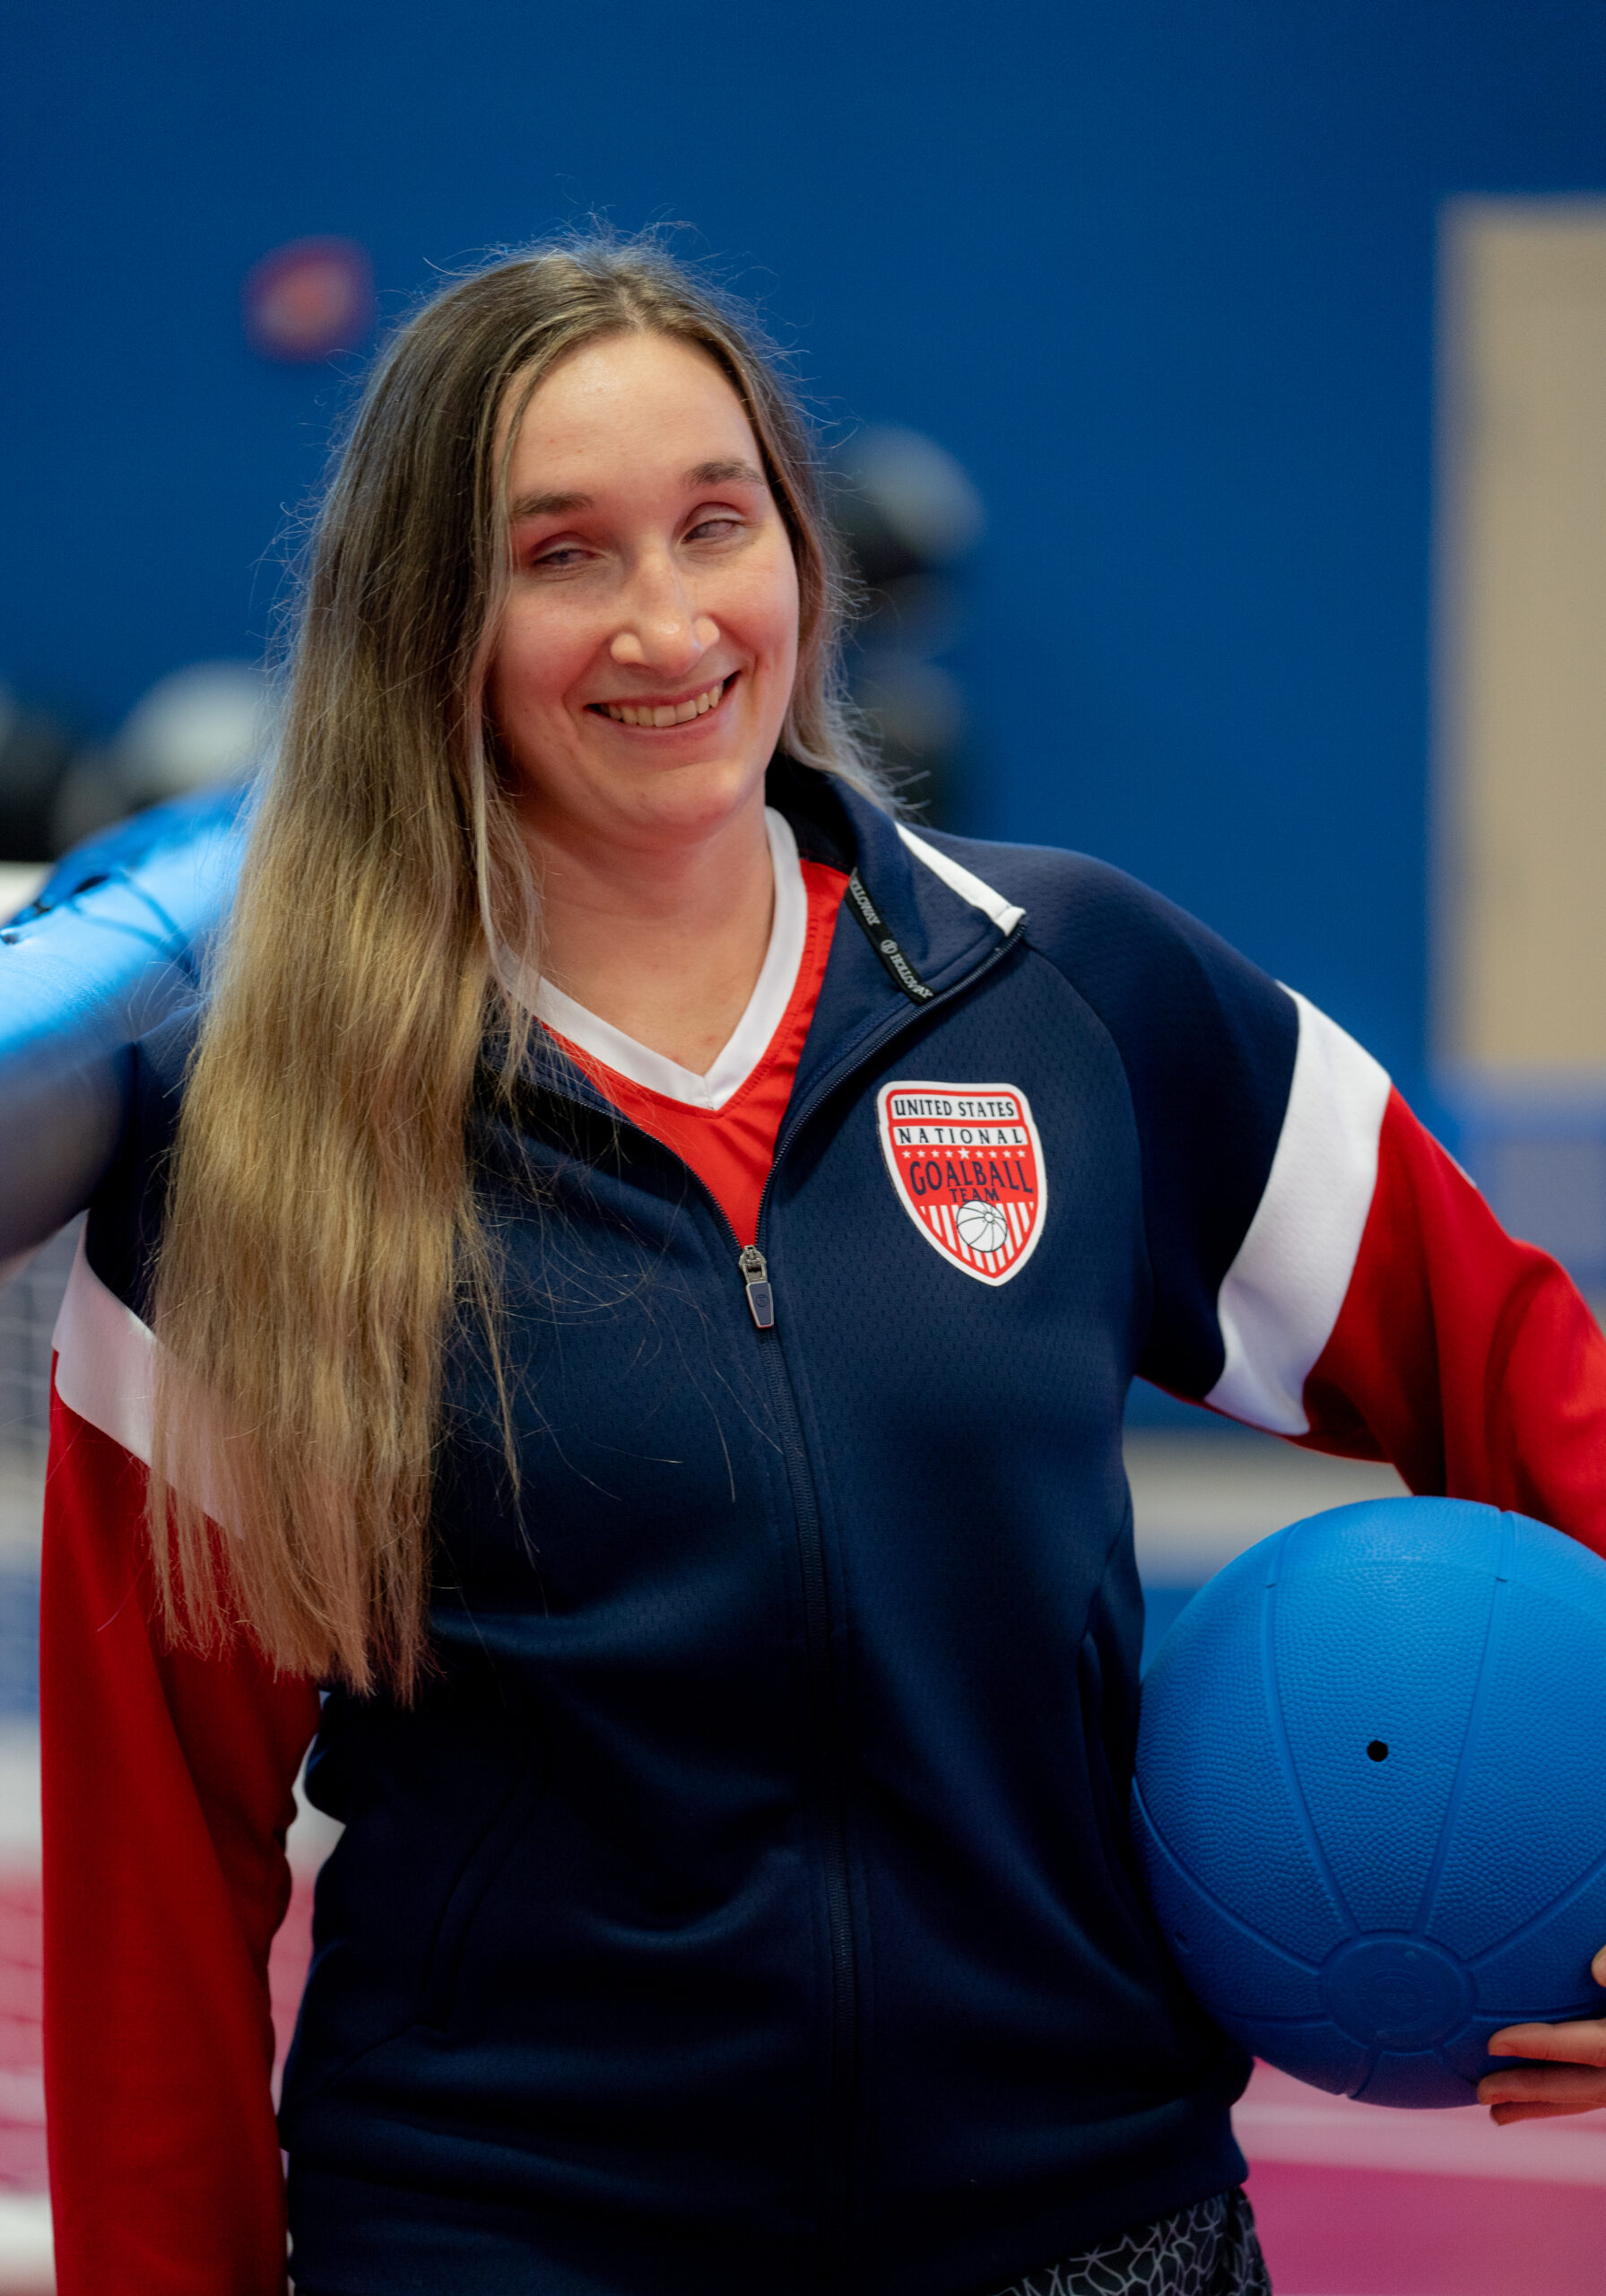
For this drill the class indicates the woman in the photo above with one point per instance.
(643, 1257)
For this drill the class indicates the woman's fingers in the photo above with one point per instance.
(1501, 2114)
(1571, 2080)
(1583, 2041)
(1571, 2088)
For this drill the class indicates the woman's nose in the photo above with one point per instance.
(662, 632)
(660, 646)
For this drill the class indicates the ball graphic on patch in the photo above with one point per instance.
(982, 1226)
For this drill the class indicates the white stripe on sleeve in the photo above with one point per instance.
(106, 1372)
(1281, 1297)
(105, 1360)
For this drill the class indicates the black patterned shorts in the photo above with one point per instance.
(1209, 2249)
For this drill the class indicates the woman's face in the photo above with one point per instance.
(645, 662)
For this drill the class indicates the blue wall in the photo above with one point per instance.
(1159, 273)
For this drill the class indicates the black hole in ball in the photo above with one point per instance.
(1378, 1750)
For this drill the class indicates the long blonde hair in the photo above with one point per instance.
(321, 1230)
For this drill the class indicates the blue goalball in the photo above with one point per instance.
(1370, 1797)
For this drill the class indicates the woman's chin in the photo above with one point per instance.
(635, 799)
(698, 795)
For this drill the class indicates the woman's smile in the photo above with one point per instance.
(660, 715)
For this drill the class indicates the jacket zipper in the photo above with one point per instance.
(824, 1698)
(824, 1709)
(761, 1299)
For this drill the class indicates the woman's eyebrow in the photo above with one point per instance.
(557, 505)
(546, 506)
(718, 474)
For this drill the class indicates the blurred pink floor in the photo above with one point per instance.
(1356, 2200)
(1351, 2200)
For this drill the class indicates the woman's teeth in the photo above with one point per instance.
(667, 713)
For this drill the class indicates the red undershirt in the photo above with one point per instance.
(731, 1148)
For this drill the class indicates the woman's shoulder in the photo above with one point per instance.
(1176, 997)
(1085, 914)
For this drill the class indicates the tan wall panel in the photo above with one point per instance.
(1522, 670)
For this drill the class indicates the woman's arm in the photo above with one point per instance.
(167, 1786)
(1464, 1357)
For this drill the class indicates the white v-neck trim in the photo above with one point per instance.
(772, 993)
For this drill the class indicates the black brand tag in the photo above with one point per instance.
(885, 944)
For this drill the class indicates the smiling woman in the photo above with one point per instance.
(611, 1319)
(641, 678)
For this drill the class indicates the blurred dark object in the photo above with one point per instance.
(908, 514)
(309, 299)
(182, 832)
(907, 508)
(35, 753)
(209, 723)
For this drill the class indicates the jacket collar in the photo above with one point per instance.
(943, 918)
(915, 925)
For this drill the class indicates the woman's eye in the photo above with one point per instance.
(714, 529)
(566, 555)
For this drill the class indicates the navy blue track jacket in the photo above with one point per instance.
(749, 1904)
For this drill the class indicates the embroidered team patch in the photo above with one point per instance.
(967, 1166)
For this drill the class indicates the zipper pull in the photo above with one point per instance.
(755, 1274)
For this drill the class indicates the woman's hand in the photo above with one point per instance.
(1574, 2082)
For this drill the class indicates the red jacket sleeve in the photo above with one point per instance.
(168, 1790)
(1466, 1358)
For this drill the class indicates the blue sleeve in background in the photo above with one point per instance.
(109, 946)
